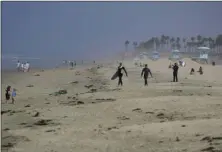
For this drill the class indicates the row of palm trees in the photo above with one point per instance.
(167, 43)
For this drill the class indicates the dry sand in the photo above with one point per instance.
(96, 115)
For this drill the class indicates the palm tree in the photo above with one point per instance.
(172, 40)
(162, 41)
(192, 39)
(219, 43)
(126, 45)
(178, 43)
(199, 38)
(167, 41)
(184, 44)
(135, 45)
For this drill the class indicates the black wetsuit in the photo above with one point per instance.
(120, 75)
(145, 74)
(7, 94)
(175, 73)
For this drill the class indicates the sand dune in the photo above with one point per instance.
(82, 110)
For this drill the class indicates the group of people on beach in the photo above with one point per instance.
(10, 93)
(145, 73)
(23, 67)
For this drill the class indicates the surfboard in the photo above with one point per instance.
(115, 76)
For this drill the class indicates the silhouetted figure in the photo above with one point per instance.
(200, 70)
(213, 63)
(120, 74)
(75, 63)
(7, 93)
(145, 73)
(175, 72)
(192, 71)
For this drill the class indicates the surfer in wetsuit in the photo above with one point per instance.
(175, 72)
(120, 74)
(145, 74)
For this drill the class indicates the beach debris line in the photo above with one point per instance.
(12, 141)
(60, 92)
(123, 118)
(106, 99)
(88, 86)
(36, 114)
(28, 105)
(30, 85)
(73, 102)
(74, 82)
(137, 110)
(44, 122)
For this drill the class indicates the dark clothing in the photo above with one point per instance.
(145, 73)
(175, 73)
(175, 78)
(120, 75)
(72, 64)
(192, 71)
(200, 70)
(7, 94)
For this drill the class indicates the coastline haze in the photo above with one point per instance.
(92, 30)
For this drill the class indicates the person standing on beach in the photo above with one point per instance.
(27, 66)
(145, 73)
(18, 66)
(7, 93)
(13, 95)
(175, 72)
(22, 67)
(72, 64)
(120, 74)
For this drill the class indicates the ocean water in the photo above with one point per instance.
(10, 64)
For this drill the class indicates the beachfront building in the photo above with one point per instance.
(175, 55)
(143, 55)
(203, 54)
(155, 55)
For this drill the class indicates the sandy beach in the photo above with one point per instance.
(82, 110)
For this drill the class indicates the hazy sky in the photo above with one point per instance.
(78, 28)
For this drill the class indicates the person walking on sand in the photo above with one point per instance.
(145, 73)
(18, 66)
(28, 66)
(13, 95)
(120, 74)
(7, 93)
(200, 70)
(175, 72)
(22, 67)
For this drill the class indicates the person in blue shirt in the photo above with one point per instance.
(13, 95)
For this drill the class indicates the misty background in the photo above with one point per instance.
(54, 31)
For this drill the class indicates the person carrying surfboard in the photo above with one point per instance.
(120, 74)
(145, 73)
